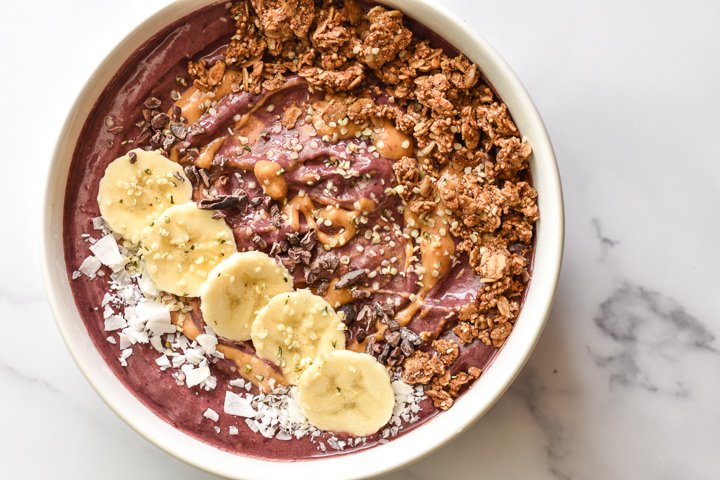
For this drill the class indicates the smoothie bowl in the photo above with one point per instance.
(302, 238)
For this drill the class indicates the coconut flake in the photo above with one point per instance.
(147, 286)
(195, 376)
(156, 342)
(178, 361)
(114, 322)
(237, 382)
(238, 406)
(148, 310)
(124, 341)
(124, 355)
(251, 424)
(207, 342)
(163, 362)
(401, 388)
(99, 224)
(107, 251)
(90, 266)
(211, 414)
(194, 356)
(210, 383)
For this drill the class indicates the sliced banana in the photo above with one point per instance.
(182, 246)
(137, 188)
(346, 391)
(293, 329)
(237, 288)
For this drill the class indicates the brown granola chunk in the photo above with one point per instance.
(281, 19)
(522, 198)
(447, 351)
(360, 110)
(425, 58)
(446, 387)
(466, 332)
(334, 80)
(420, 367)
(248, 42)
(422, 206)
(469, 128)
(499, 334)
(494, 264)
(512, 157)
(407, 172)
(336, 36)
(431, 92)
(461, 72)
(206, 78)
(494, 120)
(290, 116)
(386, 37)
(441, 398)
(477, 205)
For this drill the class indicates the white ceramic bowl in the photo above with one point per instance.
(381, 459)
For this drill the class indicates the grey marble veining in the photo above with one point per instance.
(624, 382)
(538, 399)
(14, 375)
(606, 243)
(650, 333)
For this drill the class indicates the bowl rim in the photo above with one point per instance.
(378, 460)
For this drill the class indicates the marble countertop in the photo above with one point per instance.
(625, 381)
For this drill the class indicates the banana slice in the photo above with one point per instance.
(237, 288)
(182, 245)
(137, 188)
(293, 329)
(346, 391)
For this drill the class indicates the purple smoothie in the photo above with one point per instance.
(152, 72)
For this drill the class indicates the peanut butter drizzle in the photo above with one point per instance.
(192, 104)
(207, 154)
(436, 251)
(270, 176)
(250, 368)
(337, 297)
(390, 143)
(192, 100)
(338, 217)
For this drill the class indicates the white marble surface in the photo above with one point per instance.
(624, 382)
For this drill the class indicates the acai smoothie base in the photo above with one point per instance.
(297, 229)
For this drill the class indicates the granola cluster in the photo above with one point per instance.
(470, 158)
(434, 371)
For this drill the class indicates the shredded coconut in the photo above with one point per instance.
(238, 406)
(107, 251)
(90, 266)
(211, 414)
(195, 376)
